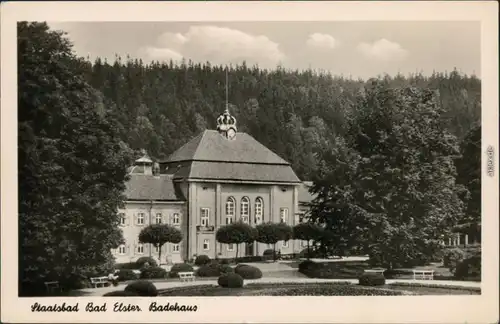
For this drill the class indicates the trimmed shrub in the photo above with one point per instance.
(230, 280)
(179, 267)
(213, 270)
(141, 262)
(452, 257)
(202, 260)
(120, 293)
(307, 265)
(127, 274)
(268, 254)
(372, 279)
(153, 273)
(142, 288)
(248, 271)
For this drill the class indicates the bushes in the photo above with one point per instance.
(248, 271)
(127, 274)
(202, 260)
(120, 293)
(179, 267)
(141, 262)
(142, 288)
(153, 273)
(213, 270)
(230, 280)
(372, 279)
(307, 265)
(469, 268)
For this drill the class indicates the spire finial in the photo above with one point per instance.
(226, 124)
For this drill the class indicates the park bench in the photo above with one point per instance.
(381, 271)
(52, 286)
(96, 281)
(186, 276)
(423, 274)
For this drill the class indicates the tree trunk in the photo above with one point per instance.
(159, 254)
(237, 248)
(274, 252)
(308, 250)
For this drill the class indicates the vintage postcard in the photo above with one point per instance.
(173, 161)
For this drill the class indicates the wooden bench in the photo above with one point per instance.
(186, 276)
(52, 286)
(96, 281)
(381, 271)
(423, 274)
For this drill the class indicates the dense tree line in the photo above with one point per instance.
(160, 105)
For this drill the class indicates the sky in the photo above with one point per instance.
(349, 48)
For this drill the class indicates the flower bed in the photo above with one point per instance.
(322, 289)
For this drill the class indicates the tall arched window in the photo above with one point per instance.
(245, 209)
(230, 207)
(259, 210)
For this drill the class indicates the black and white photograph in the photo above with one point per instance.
(162, 159)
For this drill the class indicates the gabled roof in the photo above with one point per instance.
(148, 187)
(211, 146)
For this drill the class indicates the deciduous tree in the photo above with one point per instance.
(72, 166)
(159, 234)
(236, 233)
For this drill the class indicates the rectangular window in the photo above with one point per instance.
(122, 249)
(175, 247)
(158, 218)
(284, 215)
(123, 219)
(140, 249)
(176, 219)
(140, 219)
(285, 244)
(229, 220)
(205, 214)
(230, 247)
(206, 245)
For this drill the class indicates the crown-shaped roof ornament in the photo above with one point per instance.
(226, 124)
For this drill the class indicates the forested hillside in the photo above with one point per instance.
(160, 106)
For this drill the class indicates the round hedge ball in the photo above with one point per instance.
(142, 288)
(248, 271)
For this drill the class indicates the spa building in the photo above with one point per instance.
(218, 177)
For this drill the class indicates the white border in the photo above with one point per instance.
(445, 309)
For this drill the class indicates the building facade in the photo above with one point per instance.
(218, 177)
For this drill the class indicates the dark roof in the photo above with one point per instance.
(304, 195)
(211, 146)
(236, 171)
(148, 187)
